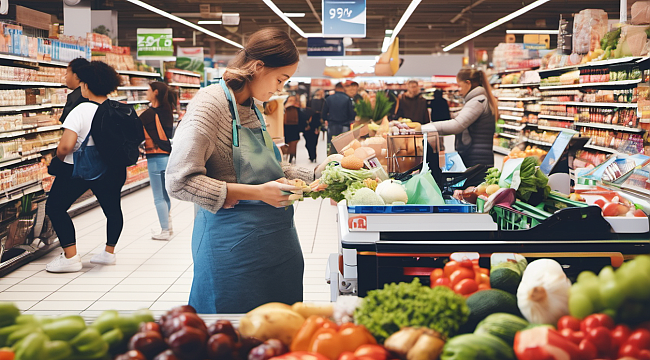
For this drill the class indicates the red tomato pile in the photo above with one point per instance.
(464, 277)
(598, 337)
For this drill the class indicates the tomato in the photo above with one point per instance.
(610, 209)
(460, 274)
(484, 271)
(568, 322)
(587, 350)
(484, 287)
(600, 202)
(450, 267)
(466, 287)
(620, 334)
(468, 264)
(375, 352)
(574, 336)
(596, 320)
(640, 338)
(6, 354)
(601, 337)
(435, 275)
(628, 350)
(644, 354)
(482, 278)
(347, 355)
(442, 282)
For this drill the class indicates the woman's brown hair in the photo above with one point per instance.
(479, 78)
(273, 47)
(166, 96)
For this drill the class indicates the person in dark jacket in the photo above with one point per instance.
(316, 104)
(439, 107)
(310, 125)
(412, 105)
(73, 83)
(292, 125)
(338, 111)
(474, 125)
(158, 122)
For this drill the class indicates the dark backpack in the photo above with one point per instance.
(117, 132)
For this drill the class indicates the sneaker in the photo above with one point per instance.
(103, 258)
(62, 264)
(163, 235)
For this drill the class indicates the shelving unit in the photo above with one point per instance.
(197, 86)
(518, 99)
(556, 117)
(598, 84)
(133, 88)
(551, 128)
(184, 72)
(512, 127)
(504, 86)
(508, 135)
(537, 142)
(510, 117)
(501, 150)
(138, 73)
(507, 108)
(593, 104)
(610, 127)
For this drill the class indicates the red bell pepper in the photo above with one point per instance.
(333, 342)
(366, 352)
(306, 333)
(300, 355)
(544, 343)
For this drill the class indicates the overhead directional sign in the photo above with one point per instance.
(325, 47)
(155, 44)
(344, 18)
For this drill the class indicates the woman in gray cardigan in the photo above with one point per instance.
(474, 124)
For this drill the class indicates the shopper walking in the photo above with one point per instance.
(310, 125)
(412, 105)
(338, 112)
(317, 105)
(439, 107)
(158, 122)
(474, 125)
(292, 126)
(244, 245)
(352, 90)
(72, 82)
(97, 81)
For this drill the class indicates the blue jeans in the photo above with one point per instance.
(156, 165)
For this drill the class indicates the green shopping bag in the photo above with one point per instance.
(422, 188)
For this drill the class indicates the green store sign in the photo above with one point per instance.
(155, 44)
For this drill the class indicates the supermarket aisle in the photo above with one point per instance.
(153, 274)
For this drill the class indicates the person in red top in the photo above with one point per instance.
(158, 122)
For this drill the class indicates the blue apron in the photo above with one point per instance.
(248, 255)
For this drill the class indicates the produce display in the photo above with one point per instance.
(464, 277)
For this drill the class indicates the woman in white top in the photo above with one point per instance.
(97, 81)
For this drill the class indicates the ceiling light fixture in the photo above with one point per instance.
(407, 14)
(491, 26)
(540, 32)
(294, 15)
(184, 22)
(209, 22)
(286, 19)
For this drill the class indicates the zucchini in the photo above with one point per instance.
(477, 347)
(502, 325)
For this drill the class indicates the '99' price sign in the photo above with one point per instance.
(344, 18)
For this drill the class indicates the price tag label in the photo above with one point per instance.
(344, 18)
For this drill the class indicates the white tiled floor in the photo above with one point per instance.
(153, 274)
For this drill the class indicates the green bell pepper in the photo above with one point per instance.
(57, 350)
(89, 344)
(143, 315)
(64, 328)
(21, 333)
(31, 347)
(6, 331)
(129, 325)
(106, 321)
(113, 338)
(8, 314)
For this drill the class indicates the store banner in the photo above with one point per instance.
(190, 58)
(325, 47)
(344, 18)
(155, 44)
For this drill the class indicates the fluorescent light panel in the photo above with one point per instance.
(286, 19)
(209, 22)
(184, 22)
(294, 15)
(542, 32)
(407, 14)
(501, 21)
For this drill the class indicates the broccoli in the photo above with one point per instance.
(365, 196)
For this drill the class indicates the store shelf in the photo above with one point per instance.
(508, 135)
(197, 86)
(517, 85)
(594, 104)
(609, 127)
(537, 142)
(510, 117)
(119, 98)
(556, 117)
(601, 148)
(22, 58)
(138, 73)
(133, 102)
(595, 63)
(518, 99)
(181, 72)
(19, 108)
(28, 130)
(133, 88)
(551, 128)
(500, 150)
(19, 159)
(512, 127)
(30, 83)
(185, 101)
(19, 191)
(575, 86)
(510, 108)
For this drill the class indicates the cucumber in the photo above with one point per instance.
(477, 347)
(487, 302)
(502, 325)
(506, 279)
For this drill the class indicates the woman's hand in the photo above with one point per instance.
(272, 193)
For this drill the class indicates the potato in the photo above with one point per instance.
(271, 323)
(268, 306)
(309, 309)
